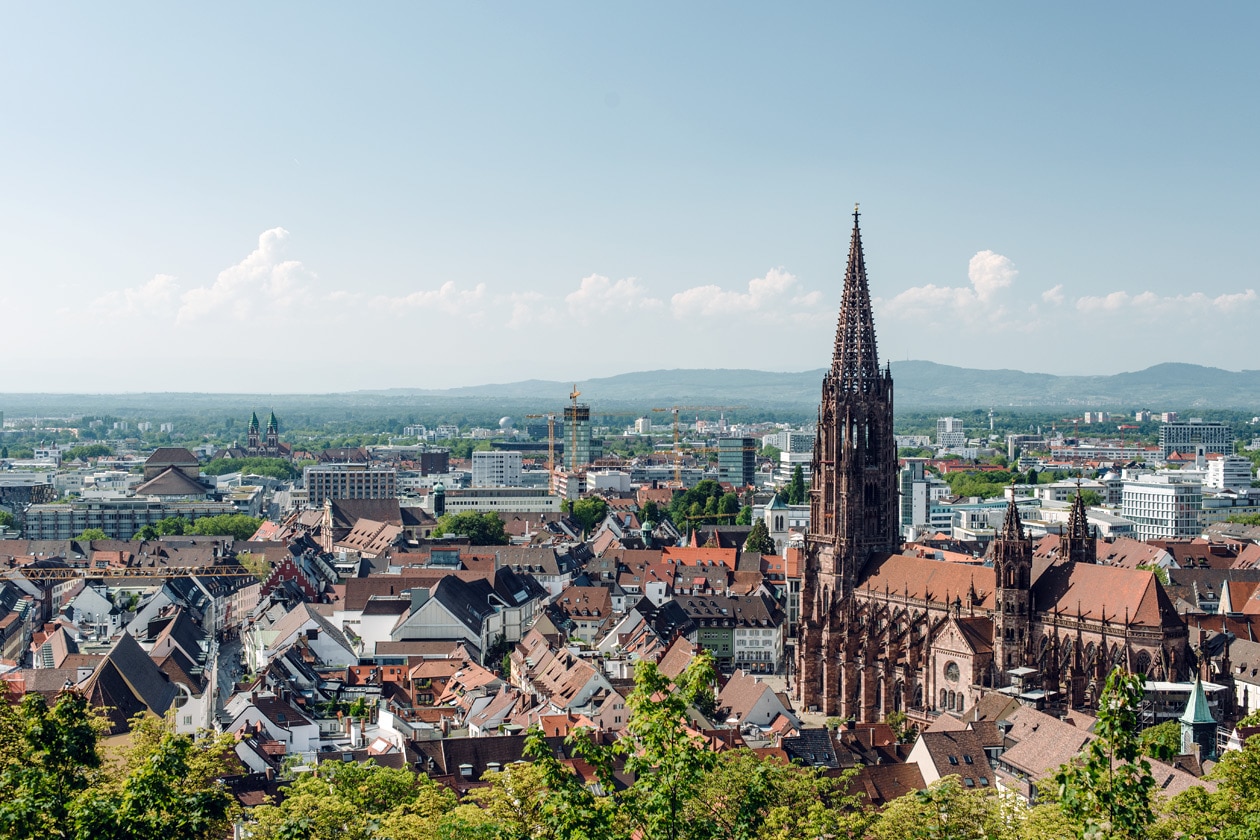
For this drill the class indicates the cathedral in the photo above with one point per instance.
(259, 446)
(884, 631)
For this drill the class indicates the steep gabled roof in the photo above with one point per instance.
(171, 482)
(1094, 590)
(128, 682)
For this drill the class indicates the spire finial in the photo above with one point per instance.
(855, 211)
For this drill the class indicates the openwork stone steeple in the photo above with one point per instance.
(854, 511)
(1077, 544)
(855, 361)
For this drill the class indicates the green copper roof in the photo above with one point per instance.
(253, 420)
(1197, 710)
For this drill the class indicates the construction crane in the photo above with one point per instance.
(675, 410)
(551, 446)
(33, 572)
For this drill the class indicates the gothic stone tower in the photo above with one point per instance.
(273, 435)
(251, 442)
(1012, 571)
(1077, 544)
(853, 501)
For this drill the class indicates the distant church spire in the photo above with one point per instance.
(855, 360)
(1076, 544)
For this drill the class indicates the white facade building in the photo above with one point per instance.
(950, 432)
(1164, 506)
(1229, 472)
(496, 468)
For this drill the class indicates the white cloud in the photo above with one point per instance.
(448, 298)
(988, 272)
(153, 297)
(775, 296)
(1053, 296)
(597, 294)
(1150, 303)
(261, 279)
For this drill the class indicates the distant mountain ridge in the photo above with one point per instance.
(919, 386)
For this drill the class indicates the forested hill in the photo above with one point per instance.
(919, 386)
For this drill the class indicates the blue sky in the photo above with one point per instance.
(313, 197)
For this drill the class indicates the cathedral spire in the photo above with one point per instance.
(1012, 528)
(855, 361)
(1076, 544)
(1078, 522)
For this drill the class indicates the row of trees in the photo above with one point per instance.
(235, 525)
(55, 782)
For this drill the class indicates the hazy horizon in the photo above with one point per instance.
(314, 199)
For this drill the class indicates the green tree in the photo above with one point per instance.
(668, 762)
(53, 761)
(1108, 792)
(944, 811)
(759, 540)
(650, 512)
(744, 517)
(92, 534)
(6, 519)
(1092, 498)
(589, 512)
(349, 801)
(235, 525)
(796, 487)
(1162, 741)
(277, 468)
(1231, 812)
(94, 450)
(480, 528)
(53, 783)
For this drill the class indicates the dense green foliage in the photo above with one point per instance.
(1109, 792)
(91, 450)
(704, 504)
(759, 540)
(54, 783)
(986, 485)
(89, 534)
(480, 528)
(235, 525)
(277, 468)
(589, 512)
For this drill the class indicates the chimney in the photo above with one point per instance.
(419, 594)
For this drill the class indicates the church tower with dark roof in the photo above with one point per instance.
(273, 435)
(1012, 614)
(853, 497)
(1077, 544)
(251, 442)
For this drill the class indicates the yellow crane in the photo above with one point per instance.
(675, 410)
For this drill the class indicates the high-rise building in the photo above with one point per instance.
(577, 435)
(950, 432)
(737, 460)
(496, 468)
(349, 481)
(1186, 437)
